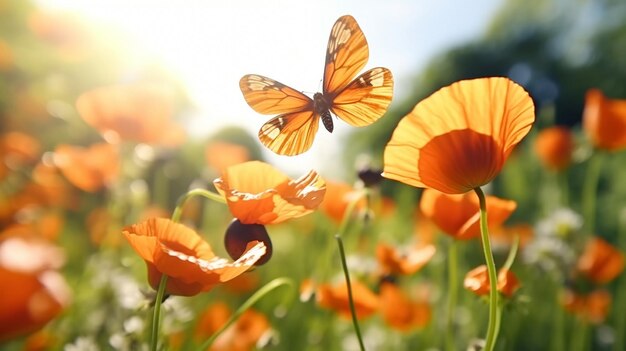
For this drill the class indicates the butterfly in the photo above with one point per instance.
(359, 102)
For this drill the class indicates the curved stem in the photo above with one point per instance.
(350, 299)
(491, 336)
(452, 293)
(258, 295)
(191, 193)
(348, 213)
(512, 254)
(156, 316)
(590, 189)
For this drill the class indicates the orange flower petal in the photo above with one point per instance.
(593, 307)
(139, 112)
(220, 155)
(458, 215)
(180, 253)
(459, 138)
(32, 292)
(336, 298)
(401, 313)
(394, 261)
(257, 193)
(89, 169)
(555, 146)
(337, 198)
(604, 121)
(477, 281)
(601, 262)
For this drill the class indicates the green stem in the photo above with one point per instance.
(558, 340)
(452, 293)
(258, 295)
(347, 215)
(590, 189)
(156, 316)
(620, 298)
(191, 193)
(491, 336)
(498, 320)
(512, 254)
(580, 338)
(564, 187)
(350, 299)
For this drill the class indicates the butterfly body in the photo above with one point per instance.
(322, 107)
(359, 101)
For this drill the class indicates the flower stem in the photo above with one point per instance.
(191, 193)
(590, 189)
(564, 188)
(580, 339)
(452, 294)
(512, 254)
(491, 336)
(258, 295)
(558, 339)
(344, 264)
(156, 316)
(180, 204)
(620, 298)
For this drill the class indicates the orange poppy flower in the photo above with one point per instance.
(477, 281)
(89, 169)
(555, 146)
(604, 121)
(64, 31)
(102, 227)
(399, 312)
(458, 215)
(41, 341)
(50, 187)
(396, 261)
(459, 138)
(258, 193)
(243, 335)
(338, 196)
(139, 112)
(366, 303)
(189, 262)
(221, 155)
(32, 292)
(593, 307)
(45, 225)
(47, 189)
(18, 149)
(425, 230)
(600, 262)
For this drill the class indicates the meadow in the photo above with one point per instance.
(480, 225)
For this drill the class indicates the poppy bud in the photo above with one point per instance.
(238, 235)
(370, 176)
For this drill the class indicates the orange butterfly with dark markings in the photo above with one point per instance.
(359, 102)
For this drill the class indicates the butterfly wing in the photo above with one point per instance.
(267, 96)
(346, 54)
(366, 98)
(291, 133)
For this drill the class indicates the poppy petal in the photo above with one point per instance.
(458, 138)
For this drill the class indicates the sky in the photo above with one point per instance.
(210, 45)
